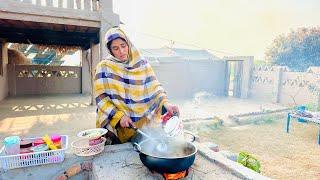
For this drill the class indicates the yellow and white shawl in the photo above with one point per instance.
(126, 88)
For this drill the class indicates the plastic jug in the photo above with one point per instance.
(12, 145)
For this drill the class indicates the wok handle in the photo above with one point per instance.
(193, 136)
(136, 147)
(132, 126)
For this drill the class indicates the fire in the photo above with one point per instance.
(175, 176)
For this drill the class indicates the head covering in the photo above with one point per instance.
(134, 55)
(129, 88)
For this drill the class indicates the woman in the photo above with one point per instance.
(126, 89)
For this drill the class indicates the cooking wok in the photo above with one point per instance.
(179, 155)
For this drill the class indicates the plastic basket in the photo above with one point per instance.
(35, 158)
(81, 147)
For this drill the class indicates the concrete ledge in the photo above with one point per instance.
(49, 171)
(52, 170)
(236, 118)
(236, 168)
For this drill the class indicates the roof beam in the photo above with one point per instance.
(42, 36)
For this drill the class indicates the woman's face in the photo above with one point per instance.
(119, 49)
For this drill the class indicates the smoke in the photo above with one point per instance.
(202, 97)
(157, 143)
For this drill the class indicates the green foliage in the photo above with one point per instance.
(312, 107)
(298, 50)
(263, 119)
(249, 161)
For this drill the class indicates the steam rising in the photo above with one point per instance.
(175, 147)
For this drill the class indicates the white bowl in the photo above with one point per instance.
(92, 133)
(173, 126)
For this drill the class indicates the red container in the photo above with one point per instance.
(38, 142)
(93, 142)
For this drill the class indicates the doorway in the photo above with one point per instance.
(234, 77)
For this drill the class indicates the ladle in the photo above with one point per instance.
(161, 146)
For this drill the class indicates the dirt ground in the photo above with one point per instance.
(294, 155)
(283, 156)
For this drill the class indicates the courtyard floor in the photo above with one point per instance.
(283, 156)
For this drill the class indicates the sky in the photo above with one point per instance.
(225, 27)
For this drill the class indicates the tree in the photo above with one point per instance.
(298, 50)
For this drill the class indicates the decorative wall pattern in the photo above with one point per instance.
(42, 79)
(263, 68)
(299, 81)
(263, 75)
(45, 73)
(307, 80)
(295, 87)
(262, 80)
(269, 68)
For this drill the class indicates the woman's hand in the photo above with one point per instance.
(125, 121)
(172, 109)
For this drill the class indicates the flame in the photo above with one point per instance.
(174, 176)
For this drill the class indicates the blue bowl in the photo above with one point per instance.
(301, 108)
(301, 120)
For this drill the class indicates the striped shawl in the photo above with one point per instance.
(130, 88)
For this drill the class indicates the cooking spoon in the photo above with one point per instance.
(161, 147)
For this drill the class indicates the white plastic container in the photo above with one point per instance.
(174, 127)
(35, 158)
